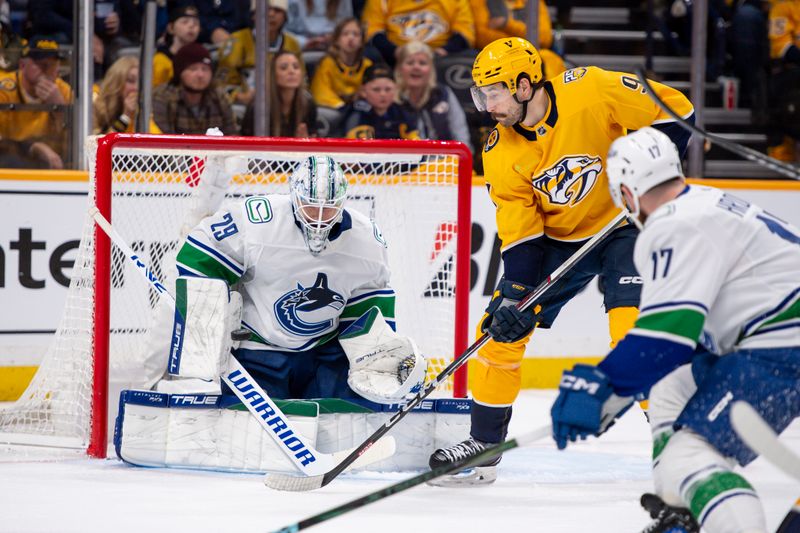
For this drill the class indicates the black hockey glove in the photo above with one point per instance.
(504, 322)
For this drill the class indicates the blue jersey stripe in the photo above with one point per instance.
(382, 292)
(221, 258)
(679, 303)
(772, 312)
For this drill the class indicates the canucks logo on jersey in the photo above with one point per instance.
(303, 311)
(569, 180)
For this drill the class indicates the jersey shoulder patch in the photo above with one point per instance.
(491, 140)
(574, 74)
(258, 209)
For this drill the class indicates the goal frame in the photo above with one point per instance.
(102, 265)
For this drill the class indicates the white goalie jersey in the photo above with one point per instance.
(292, 300)
(719, 271)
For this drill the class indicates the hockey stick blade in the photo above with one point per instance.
(746, 152)
(761, 438)
(383, 449)
(401, 486)
(525, 303)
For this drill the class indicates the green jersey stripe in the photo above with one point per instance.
(709, 489)
(199, 261)
(791, 313)
(686, 323)
(384, 303)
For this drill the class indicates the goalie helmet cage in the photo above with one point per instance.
(154, 188)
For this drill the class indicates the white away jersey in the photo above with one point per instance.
(293, 300)
(720, 271)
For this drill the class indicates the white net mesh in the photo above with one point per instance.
(158, 194)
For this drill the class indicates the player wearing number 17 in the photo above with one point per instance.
(546, 172)
(719, 321)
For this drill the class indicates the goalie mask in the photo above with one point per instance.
(318, 190)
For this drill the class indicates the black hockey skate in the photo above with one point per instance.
(668, 519)
(460, 453)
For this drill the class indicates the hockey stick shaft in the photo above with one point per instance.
(525, 303)
(269, 416)
(401, 486)
(761, 438)
(742, 151)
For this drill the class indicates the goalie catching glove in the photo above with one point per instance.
(385, 367)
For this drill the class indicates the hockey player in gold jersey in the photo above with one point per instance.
(544, 165)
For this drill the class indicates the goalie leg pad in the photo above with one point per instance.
(206, 312)
(384, 366)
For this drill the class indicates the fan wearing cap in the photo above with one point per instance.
(35, 138)
(191, 103)
(182, 29)
(376, 115)
(237, 57)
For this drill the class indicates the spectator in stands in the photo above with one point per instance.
(191, 103)
(131, 14)
(495, 19)
(52, 18)
(117, 103)
(313, 21)
(237, 58)
(440, 115)
(292, 110)
(338, 75)
(35, 139)
(376, 115)
(11, 45)
(219, 19)
(784, 37)
(183, 28)
(750, 55)
(447, 27)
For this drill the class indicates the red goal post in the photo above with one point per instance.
(417, 191)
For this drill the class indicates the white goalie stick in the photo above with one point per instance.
(761, 438)
(746, 152)
(308, 460)
(298, 484)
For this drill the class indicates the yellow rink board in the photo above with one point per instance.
(538, 372)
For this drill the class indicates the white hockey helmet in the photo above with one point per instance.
(640, 161)
(318, 189)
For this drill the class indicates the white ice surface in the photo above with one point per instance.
(595, 486)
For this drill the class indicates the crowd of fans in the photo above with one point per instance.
(350, 68)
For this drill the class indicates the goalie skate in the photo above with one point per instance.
(461, 453)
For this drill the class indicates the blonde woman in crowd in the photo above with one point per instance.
(116, 104)
(440, 115)
(292, 111)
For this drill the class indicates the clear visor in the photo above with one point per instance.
(489, 95)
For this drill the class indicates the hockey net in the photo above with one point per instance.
(154, 188)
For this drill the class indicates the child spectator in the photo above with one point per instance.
(445, 26)
(237, 58)
(376, 115)
(440, 116)
(292, 111)
(117, 103)
(34, 138)
(313, 21)
(182, 29)
(190, 103)
(338, 75)
(495, 19)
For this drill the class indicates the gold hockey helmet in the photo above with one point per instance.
(504, 60)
